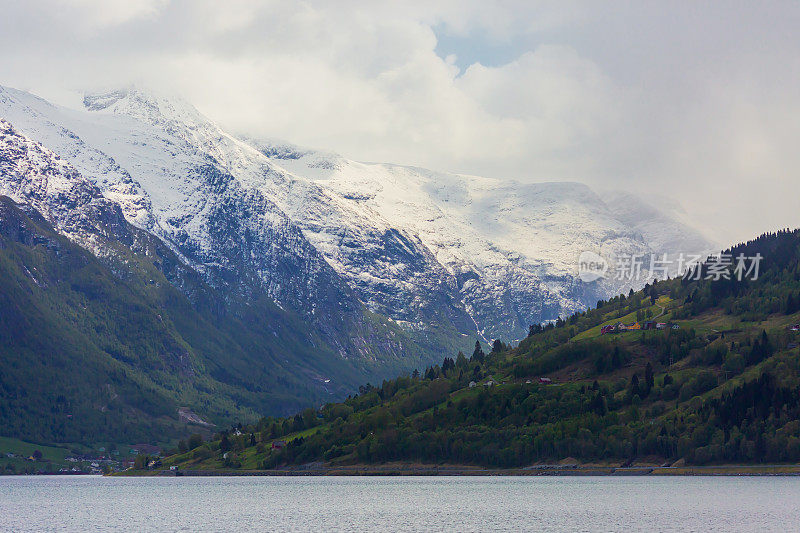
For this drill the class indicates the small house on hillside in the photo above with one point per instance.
(545, 381)
(278, 444)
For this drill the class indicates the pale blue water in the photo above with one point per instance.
(399, 504)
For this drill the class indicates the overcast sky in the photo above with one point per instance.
(695, 100)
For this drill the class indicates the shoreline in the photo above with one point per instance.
(364, 470)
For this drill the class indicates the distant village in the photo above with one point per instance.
(650, 324)
(98, 463)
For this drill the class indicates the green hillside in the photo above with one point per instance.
(721, 386)
(109, 350)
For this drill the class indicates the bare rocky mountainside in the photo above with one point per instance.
(359, 270)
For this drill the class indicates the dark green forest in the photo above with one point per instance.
(721, 386)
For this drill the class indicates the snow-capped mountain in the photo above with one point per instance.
(140, 336)
(167, 178)
(661, 222)
(506, 251)
(36, 176)
(323, 235)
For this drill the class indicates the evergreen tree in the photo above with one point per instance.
(635, 390)
(649, 379)
(478, 354)
(476, 373)
(195, 440)
(533, 329)
(616, 358)
(447, 365)
(792, 303)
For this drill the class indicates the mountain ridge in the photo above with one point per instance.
(101, 287)
(416, 259)
(233, 235)
(698, 370)
(267, 277)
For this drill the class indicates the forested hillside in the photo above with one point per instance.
(109, 350)
(715, 380)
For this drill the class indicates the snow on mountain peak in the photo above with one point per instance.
(419, 246)
(148, 105)
(33, 175)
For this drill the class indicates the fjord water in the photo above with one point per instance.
(91, 503)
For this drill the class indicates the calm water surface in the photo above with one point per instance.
(89, 503)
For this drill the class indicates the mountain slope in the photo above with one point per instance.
(138, 334)
(444, 255)
(719, 385)
(507, 250)
(660, 222)
(169, 171)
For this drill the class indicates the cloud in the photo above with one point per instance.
(694, 100)
(109, 13)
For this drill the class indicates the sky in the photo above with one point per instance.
(697, 101)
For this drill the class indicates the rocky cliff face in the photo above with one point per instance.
(173, 179)
(37, 177)
(342, 243)
(503, 255)
(105, 306)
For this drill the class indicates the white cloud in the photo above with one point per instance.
(695, 100)
(107, 13)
